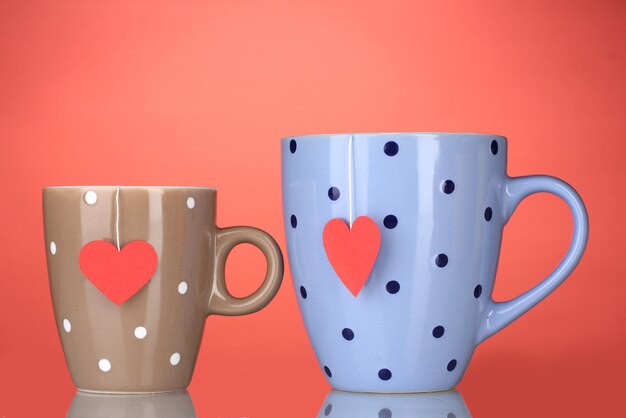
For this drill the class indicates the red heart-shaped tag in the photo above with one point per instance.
(118, 274)
(352, 252)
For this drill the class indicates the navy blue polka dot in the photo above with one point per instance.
(451, 365)
(478, 290)
(348, 334)
(293, 146)
(328, 372)
(391, 148)
(328, 409)
(384, 413)
(447, 186)
(393, 287)
(451, 415)
(390, 221)
(441, 260)
(438, 331)
(494, 147)
(303, 292)
(488, 214)
(384, 374)
(294, 221)
(333, 193)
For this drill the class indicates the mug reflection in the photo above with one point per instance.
(339, 404)
(165, 405)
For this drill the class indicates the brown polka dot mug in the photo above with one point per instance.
(134, 272)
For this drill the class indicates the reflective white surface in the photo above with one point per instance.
(339, 404)
(164, 405)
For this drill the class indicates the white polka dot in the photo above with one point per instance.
(191, 202)
(182, 288)
(141, 332)
(175, 359)
(104, 365)
(67, 325)
(91, 197)
(53, 248)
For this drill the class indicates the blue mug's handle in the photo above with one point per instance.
(498, 315)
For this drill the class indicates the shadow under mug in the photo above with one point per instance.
(148, 343)
(439, 202)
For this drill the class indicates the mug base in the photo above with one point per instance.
(122, 393)
(394, 392)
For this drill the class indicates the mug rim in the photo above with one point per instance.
(415, 134)
(102, 186)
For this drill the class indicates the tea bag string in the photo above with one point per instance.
(351, 197)
(117, 217)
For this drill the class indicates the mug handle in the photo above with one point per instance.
(221, 301)
(498, 315)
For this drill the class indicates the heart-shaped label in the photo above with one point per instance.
(352, 252)
(118, 274)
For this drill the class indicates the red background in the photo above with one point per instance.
(199, 93)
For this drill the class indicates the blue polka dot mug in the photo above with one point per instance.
(422, 214)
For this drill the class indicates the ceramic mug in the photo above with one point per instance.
(134, 271)
(393, 243)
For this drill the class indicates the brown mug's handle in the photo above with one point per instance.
(221, 302)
